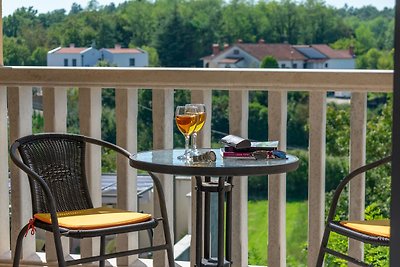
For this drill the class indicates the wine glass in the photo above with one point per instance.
(186, 119)
(201, 112)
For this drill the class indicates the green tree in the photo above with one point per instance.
(269, 62)
(38, 57)
(154, 60)
(177, 43)
(140, 28)
(16, 52)
(365, 39)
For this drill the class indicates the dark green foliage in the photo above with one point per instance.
(269, 62)
(183, 32)
(297, 181)
(145, 120)
(37, 122)
(258, 122)
(297, 121)
(108, 119)
(220, 116)
(177, 43)
(73, 110)
(337, 130)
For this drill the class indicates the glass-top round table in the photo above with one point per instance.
(166, 161)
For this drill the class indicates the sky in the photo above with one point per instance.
(43, 6)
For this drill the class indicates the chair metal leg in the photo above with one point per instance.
(59, 248)
(150, 234)
(18, 246)
(164, 214)
(324, 243)
(102, 250)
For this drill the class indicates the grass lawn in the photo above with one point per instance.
(296, 232)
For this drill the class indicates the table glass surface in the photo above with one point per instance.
(166, 161)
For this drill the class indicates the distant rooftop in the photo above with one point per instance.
(119, 50)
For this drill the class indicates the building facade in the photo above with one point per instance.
(89, 56)
(73, 56)
(125, 57)
(244, 55)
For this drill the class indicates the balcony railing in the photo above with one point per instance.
(16, 120)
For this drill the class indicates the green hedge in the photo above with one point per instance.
(297, 181)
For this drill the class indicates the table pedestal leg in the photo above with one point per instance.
(223, 188)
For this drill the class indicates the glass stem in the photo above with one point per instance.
(194, 141)
(187, 145)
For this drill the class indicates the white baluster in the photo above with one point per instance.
(20, 119)
(126, 111)
(4, 196)
(358, 128)
(163, 119)
(277, 117)
(238, 125)
(90, 125)
(316, 174)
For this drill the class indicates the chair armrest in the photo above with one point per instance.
(348, 178)
(109, 145)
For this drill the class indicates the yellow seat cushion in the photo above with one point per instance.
(373, 227)
(94, 218)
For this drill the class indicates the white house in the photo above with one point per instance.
(73, 56)
(90, 56)
(125, 57)
(241, 55)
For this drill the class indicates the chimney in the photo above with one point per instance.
(215, 49)
(71, 45)
(226, 46)
(117, 46)
(239, 41)
(261, 41)
(351, 50)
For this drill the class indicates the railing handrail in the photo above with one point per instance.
(201, 78)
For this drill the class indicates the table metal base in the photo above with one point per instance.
(223, 188)
(213, 262)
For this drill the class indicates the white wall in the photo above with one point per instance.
(91, 57)
(122, 60)
(58, 59)
(341, 64)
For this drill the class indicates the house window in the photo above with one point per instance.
(65, 62)
(294, 66)
(236, 52)
(131, 62)
(74, 62)
(326, 65)
(283, 66)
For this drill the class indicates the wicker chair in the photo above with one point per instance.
(61, 204)
(375, 232)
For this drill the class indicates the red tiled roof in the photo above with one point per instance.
(123, 50)
(332, 53)
(278, 51)
(71, 50)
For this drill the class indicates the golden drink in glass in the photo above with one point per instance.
(186, 118)
(202, 115)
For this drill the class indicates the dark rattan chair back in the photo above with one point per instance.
(55, 164)
(60, 161)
